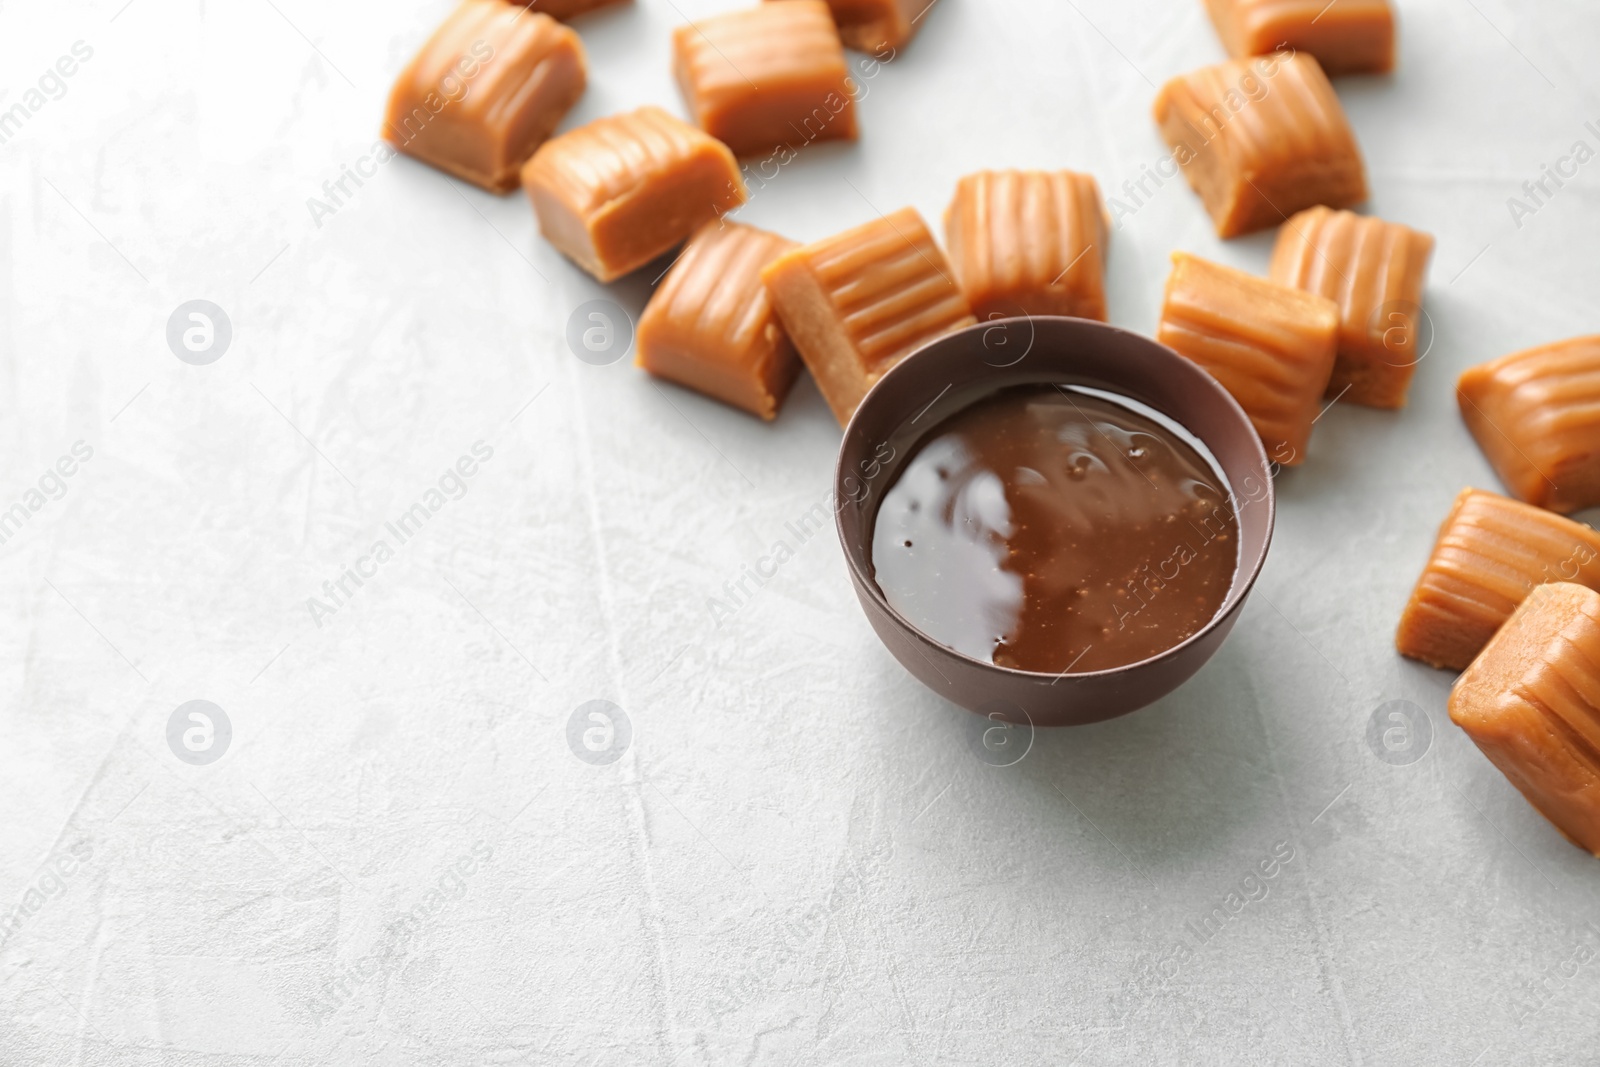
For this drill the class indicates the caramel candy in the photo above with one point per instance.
(877, 26)
(1261, 139)
(1029, 243)
(565, 9)
(1536, 415)
(485, 91)
(767, 76)
(1374, 271)
(1271, 346)
(711, 327)
(1531, 703)
(617, 193)
(1347, 37)
(859, 302)
(1490, 554)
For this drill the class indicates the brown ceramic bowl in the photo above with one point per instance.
(951, 373)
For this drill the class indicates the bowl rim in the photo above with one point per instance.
(1236, 595)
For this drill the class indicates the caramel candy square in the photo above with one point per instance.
(486, 90)
(617, 193)
(1261, 139)
(711, 327)
(1029, 243)
(859, 302)
(1491, 553)
(1345, 36)
(1531, 703)
(1375, 272)
(565, 9)
(1271, 346)
(1536, 415)
(766, 77)
(877, 26)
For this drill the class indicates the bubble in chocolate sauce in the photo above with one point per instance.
(1057, 528)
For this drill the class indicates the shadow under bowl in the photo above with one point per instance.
(955, 371)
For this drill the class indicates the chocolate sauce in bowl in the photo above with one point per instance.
(1054, 529)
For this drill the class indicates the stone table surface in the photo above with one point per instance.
(397, 855)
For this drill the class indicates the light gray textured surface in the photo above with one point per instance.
(799, 858)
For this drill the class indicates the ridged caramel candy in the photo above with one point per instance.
(1271, 346)
(1531, 703)
(1375, 271)
(767, 76)
(857, 303)
(1029, 243)
(1491, 553)
(565, 9)
(1536, 415)
(617, 193)
(1260, 139)
(710, 325)
(1346, 37)
(490, 85)
(877, 26)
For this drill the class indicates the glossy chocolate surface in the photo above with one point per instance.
(946, 377)
(1056, 528)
